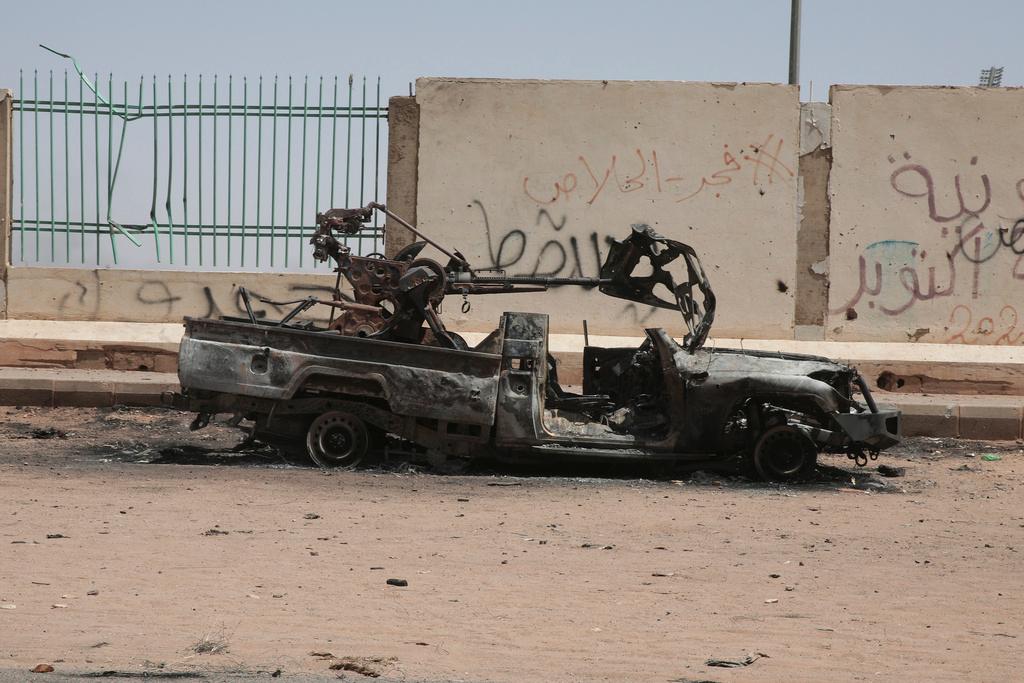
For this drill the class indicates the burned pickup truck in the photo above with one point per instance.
(386, 370)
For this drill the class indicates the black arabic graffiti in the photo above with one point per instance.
(552, 247)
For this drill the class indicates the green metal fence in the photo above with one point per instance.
(208, 172)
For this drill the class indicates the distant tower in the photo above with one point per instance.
(991, 77)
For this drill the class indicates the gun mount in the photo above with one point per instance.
(392, 298)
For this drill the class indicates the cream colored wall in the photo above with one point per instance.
(534, 176)
(151, 296)
(921, 182)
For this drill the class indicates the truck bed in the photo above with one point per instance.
(272, 362)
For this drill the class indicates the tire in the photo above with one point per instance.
(785, 454)
(338, 440)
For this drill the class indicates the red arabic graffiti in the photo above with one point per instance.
(965, 331)
(636, 171)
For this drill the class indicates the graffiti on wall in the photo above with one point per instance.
(973, 220)
(553, 235)
(156, 298)
(590, 179)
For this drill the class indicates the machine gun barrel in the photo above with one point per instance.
(538, 280)
(471, 283)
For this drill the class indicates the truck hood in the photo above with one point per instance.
(752, 362)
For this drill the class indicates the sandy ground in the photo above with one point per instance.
(114, 561)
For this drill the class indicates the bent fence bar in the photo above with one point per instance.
(207, 172)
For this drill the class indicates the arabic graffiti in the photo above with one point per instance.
(976, 256)
(640, 169)
(965, 331)
(558, 254)
(554, 255)
(171, 299)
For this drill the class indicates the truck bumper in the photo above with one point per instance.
(872, 430)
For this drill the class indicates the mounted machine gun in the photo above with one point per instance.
(392, 298)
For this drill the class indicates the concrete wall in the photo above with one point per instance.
(813, 234)
(151, 296)
(922, 180)
(403, 150)
(874, 219)
(535, 176)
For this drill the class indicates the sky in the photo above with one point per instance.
(863, 41)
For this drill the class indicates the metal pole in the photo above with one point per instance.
(794, 43)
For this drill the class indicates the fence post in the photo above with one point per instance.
(403, 167)
(6, 190)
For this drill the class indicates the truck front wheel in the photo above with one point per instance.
(338, 439)
(785, 453)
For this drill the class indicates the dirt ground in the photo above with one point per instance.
(128, 543)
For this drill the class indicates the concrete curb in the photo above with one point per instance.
(964, 416)
(83, 388)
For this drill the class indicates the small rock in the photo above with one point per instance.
(215, 532)
(56, 536)
(42, 669)
(774, 576)
(890, 471)
(58, 605)
(771, 601)
(311, 515)
(398, 582)
(92, 592)
(664, 574)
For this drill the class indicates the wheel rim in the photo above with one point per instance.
(783, 453)
(337, 439)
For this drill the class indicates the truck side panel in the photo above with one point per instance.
(276, 363)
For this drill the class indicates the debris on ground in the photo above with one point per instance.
(890, 471)
(991, 457)
(398, 582)
(113, 673)
(736, 663)
(56, 536)
(367, 666)
(215, 532)
(213, 643)
(48, 433)
(311, 515)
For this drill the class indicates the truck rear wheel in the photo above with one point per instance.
(785, 453)
(337, 439)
